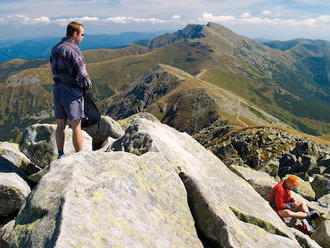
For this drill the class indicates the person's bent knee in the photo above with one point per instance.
(284, 213)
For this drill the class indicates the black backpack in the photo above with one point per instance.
(92, 114)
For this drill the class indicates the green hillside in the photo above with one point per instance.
(271, 79)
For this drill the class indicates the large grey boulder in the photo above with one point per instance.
(39, 145)
(324, 201)
(100, 199)
(105, 128)
(304, 240)
(145, 115)
(11, 158)
(322, 234)
(227, 210)
(13, 192)
(5, 232)
(321, 185)
(260, 181)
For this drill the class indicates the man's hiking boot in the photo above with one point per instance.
(306, 227)
(312, 215)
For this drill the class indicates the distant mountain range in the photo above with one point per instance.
(217, 77)
(40, 47)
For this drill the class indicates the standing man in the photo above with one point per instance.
(70, 80)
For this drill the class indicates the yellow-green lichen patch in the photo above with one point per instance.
(256, 221)
(20, 233)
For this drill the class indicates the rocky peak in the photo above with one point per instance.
(191, 31)
(152, 85)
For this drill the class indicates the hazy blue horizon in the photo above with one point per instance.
(272, 20)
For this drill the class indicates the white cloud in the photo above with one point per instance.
(246, 15)
(324, 18)
(176, 17)
(124, 20)
(266, 12)
(246, 18)
(65, 21)
(25, 20)
(209, 17)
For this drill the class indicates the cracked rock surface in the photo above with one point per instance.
(227, 210)
(100, 199)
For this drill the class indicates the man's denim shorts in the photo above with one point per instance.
(72, 109)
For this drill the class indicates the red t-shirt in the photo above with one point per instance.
(280, 196)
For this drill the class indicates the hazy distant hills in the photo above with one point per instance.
(240, 80)
(41, 47)
(314, 54)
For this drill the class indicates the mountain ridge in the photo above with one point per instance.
(269, 79)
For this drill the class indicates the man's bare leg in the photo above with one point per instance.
(302, 205)
(59, 134)
(289, 213)
(76, 135)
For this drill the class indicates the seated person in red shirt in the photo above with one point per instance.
(285, 206)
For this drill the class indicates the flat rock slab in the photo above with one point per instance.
(100, 199)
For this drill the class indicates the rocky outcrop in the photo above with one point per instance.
(324, 201)
(13, 192)
(260, 181)
(321, 185)
(11, 158)
(155, 83)
(39, 145)
(176, 192)
(161, 91)
(105, 128)
(304, 240)
(5, 232)
(322, 236)
(145, 115)
(105, 200)
(213, 190)
(275, 151)
(191, 31)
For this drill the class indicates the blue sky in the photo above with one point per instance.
(277, 19)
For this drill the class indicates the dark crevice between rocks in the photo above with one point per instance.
(30, 215)
(52, 242)
(211, 230)
(303, 242)
(268, 227)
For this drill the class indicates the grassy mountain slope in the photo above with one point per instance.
(274, 80)
(185, 102)
(270, 79)
(314, 54)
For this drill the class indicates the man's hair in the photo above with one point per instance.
(72, 27)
